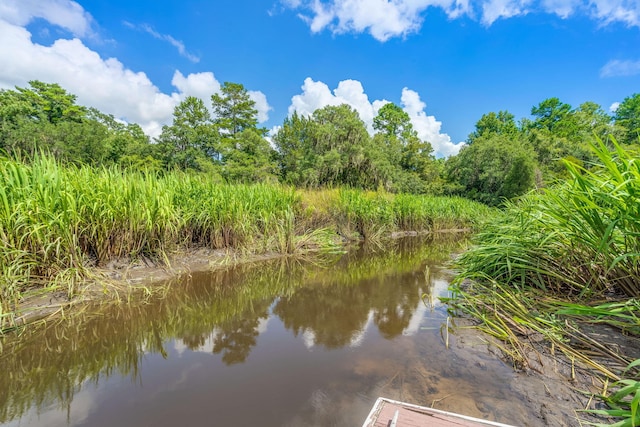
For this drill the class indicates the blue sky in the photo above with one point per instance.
(446, 62)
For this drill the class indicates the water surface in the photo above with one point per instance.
(279, 343)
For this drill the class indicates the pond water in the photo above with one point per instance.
(276, 343)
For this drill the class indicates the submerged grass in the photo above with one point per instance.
(57, 222)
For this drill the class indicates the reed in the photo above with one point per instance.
(58, 222)
(560, 259)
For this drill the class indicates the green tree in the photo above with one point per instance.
(52, 102)
(502, 123)
(190, 142)
(234, 110)
(551, 114)
(294, 151)
(251, 160)
(339, 140)
(492, 169)
(406, 163)
(627, 117)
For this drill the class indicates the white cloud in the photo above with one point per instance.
(384, 19)
(262, 105)
(102, 83)
(428, 128)
(63, 13)
(562, 8)
(200, 85)
(182, 50)
(609, 11)
(496, 9)
(614, 107)
(317, 95)
(620, 68)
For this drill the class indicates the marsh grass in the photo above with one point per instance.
(58, 222)
(624, 401)
(556, 260)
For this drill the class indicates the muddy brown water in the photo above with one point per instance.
(279, 343)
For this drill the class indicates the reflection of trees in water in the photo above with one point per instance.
(49, 365)
(387, 282)
(335, 314)
(338, 312)
(236, 338)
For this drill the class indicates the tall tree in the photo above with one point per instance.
(233, 109)
(627, 116)
(294, 150)
(190, 142)
(502, 123)
(408, 164)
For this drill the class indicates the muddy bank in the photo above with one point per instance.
(124, 279)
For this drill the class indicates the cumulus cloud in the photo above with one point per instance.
(102, 83)
(620, 68)
(384, 19)
(63, 13)
(316, 94)
(428, 128)
(179, 45)
(614, 107)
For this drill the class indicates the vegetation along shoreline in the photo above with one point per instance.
(552, 200)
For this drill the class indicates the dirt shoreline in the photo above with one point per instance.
(124, 276)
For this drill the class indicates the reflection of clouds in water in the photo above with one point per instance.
(262, 325)
(416, 320)
(425, 308)
(55, 415)
(359, 337)
(309, 336)
(440, 288)
(207, 347)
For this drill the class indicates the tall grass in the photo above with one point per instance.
(56, 222)
(581, 238)
(560, 259)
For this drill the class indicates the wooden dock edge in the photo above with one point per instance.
(377, 407)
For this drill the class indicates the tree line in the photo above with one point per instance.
(332, 147)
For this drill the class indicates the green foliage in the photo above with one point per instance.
(251, 160)
(502, 123)
(190, 142)
(233, 109)
(327, 150)
(627, 116)
(492, 169)
(333, 147)
(578, 238)
(624, 402)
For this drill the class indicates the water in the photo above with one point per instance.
(280, 343)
